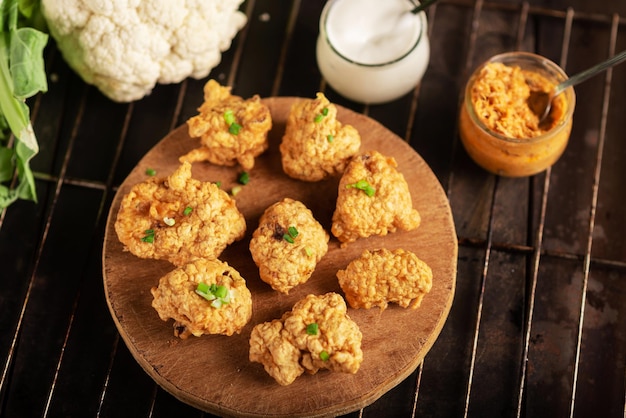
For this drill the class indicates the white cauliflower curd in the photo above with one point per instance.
(125, 47)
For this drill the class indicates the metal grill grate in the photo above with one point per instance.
(536, 251)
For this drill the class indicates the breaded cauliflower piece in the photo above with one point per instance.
(382, 276)
(178, 218)
(373, 199)
(176, 298)
(316, 145)
(231, 130)
(288, 244)
(316, 334)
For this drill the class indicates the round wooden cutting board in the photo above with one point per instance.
(213, 372)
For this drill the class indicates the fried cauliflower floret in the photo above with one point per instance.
(382, 276)
(231, 130)
(193, 314)
(373, 199)
(316, 334)
(316, 145)
(178, 218)
(288, 244)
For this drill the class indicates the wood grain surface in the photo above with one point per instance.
(213, 373)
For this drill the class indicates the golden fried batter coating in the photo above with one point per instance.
(223, 143)
(176, 298)
(316, 334)
(316, 145)
(287, 257)
(178, 218)
(388, 207)
(382, 276)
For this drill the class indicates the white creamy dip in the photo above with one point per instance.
(380, 32)
(372, 51)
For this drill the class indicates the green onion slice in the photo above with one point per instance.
(149, 236)
(244, 178)
(324, 356)
(364, 186)
(229, 117)
(202, 287)
(318, 118)
(187, 211)
(150, 172)
(234, 128)
(218, 295)
(312, 329)
(220, 292)
(292, 233)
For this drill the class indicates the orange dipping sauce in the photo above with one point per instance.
(499, 130)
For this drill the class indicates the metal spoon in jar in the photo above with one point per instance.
(540, 102)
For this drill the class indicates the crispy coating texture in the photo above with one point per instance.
(282, 264)
(382, 276)
(176, 298)
(286, 350)
(158, 205)
(317, 146)
(220, 146)
(358, 215)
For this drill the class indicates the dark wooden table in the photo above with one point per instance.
(538, 324)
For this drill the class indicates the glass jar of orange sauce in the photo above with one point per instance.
(497, 127)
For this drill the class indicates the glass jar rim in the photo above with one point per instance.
(517, 57)
(324, 33)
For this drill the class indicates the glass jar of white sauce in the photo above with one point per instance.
(372, 51)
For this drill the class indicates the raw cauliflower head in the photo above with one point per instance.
(125, 47)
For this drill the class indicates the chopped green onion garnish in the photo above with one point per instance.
(149, 237)
(234, 128)
(320, 116)
(291, 234)
(229, 117)
(218, 295)
(324, 356)
(235, 190)
(244, 178)
(330, 138)
(203, 287)
(150, 171)
(218, 183)
(169, 221)
(312, 329)
(220, 292)
(363, 185)
(308, 251)
(187, 211)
